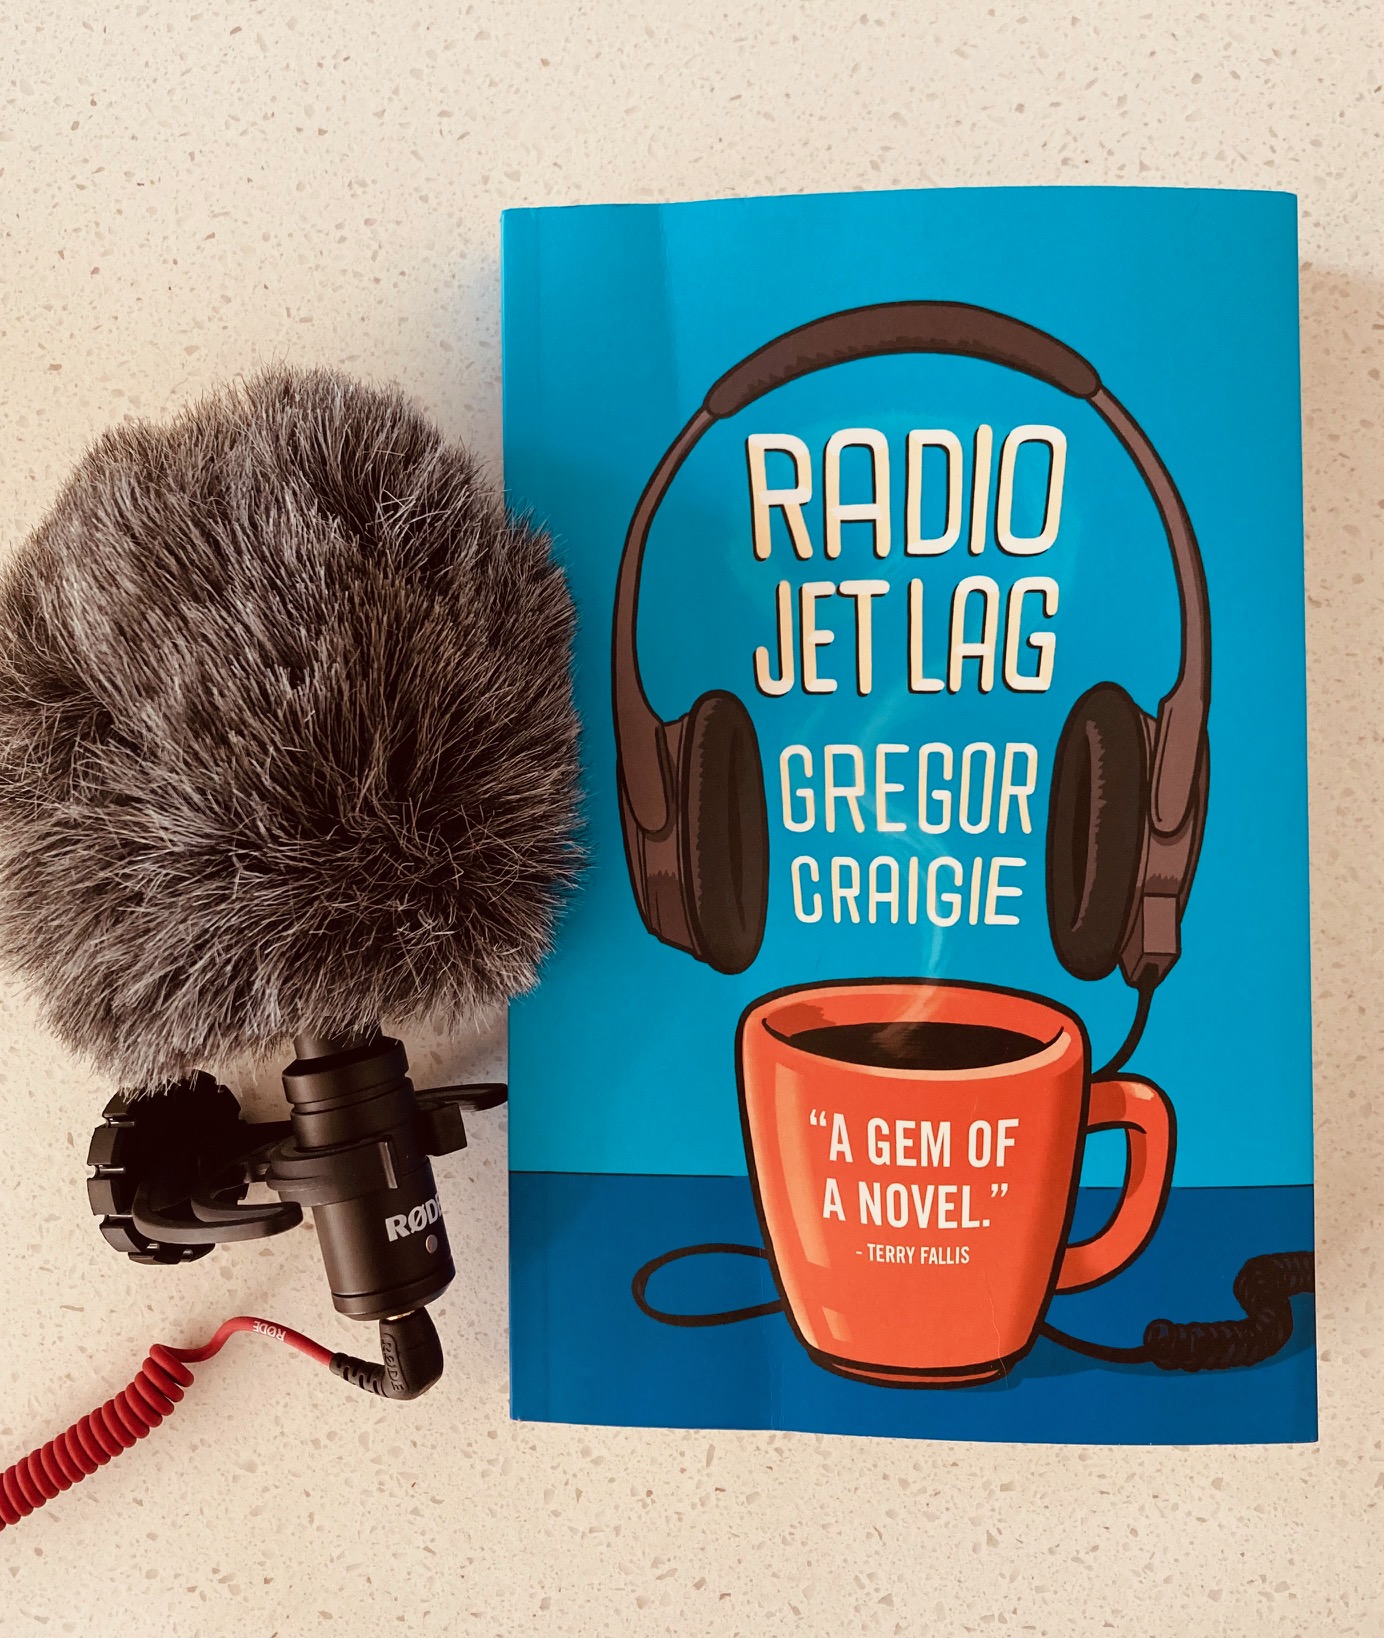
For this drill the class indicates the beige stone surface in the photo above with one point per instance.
(187, 189)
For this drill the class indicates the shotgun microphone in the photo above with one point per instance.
(287, 752)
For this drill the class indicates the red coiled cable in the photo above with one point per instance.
(120, 1422)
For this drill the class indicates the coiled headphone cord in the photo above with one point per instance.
(413, 1362)
(1264, 1288)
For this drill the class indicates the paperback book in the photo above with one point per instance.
(927, 1048)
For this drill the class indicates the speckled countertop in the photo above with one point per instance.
(185, 190)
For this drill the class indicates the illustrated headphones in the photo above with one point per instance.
(1128, 801)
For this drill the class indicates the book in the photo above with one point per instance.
(926, 1051)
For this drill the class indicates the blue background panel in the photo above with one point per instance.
(581, 1351)
(616, 321)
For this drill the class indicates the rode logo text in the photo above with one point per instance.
(403, 1224)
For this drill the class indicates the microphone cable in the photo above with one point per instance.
(412, 1363)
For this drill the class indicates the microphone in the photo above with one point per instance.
(286, 733)
(287, 751)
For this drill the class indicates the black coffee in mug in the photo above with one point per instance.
(924, 1043)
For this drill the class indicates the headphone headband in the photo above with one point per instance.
(961, 330)
(951, 327)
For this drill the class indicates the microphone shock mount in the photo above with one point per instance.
(171, 1171)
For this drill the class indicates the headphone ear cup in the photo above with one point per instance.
(725, 867)
(1098, 818)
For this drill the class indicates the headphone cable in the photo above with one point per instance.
(1264, 1288)
(1126, 1048)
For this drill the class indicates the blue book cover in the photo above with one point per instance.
(927, 1050)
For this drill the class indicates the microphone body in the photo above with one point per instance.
(359, 1157)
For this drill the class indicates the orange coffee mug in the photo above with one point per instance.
(914, 1149)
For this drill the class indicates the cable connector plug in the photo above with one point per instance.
(412, 1359)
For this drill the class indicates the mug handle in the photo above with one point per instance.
(1146, 1116)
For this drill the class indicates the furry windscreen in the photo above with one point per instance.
(286, 732)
